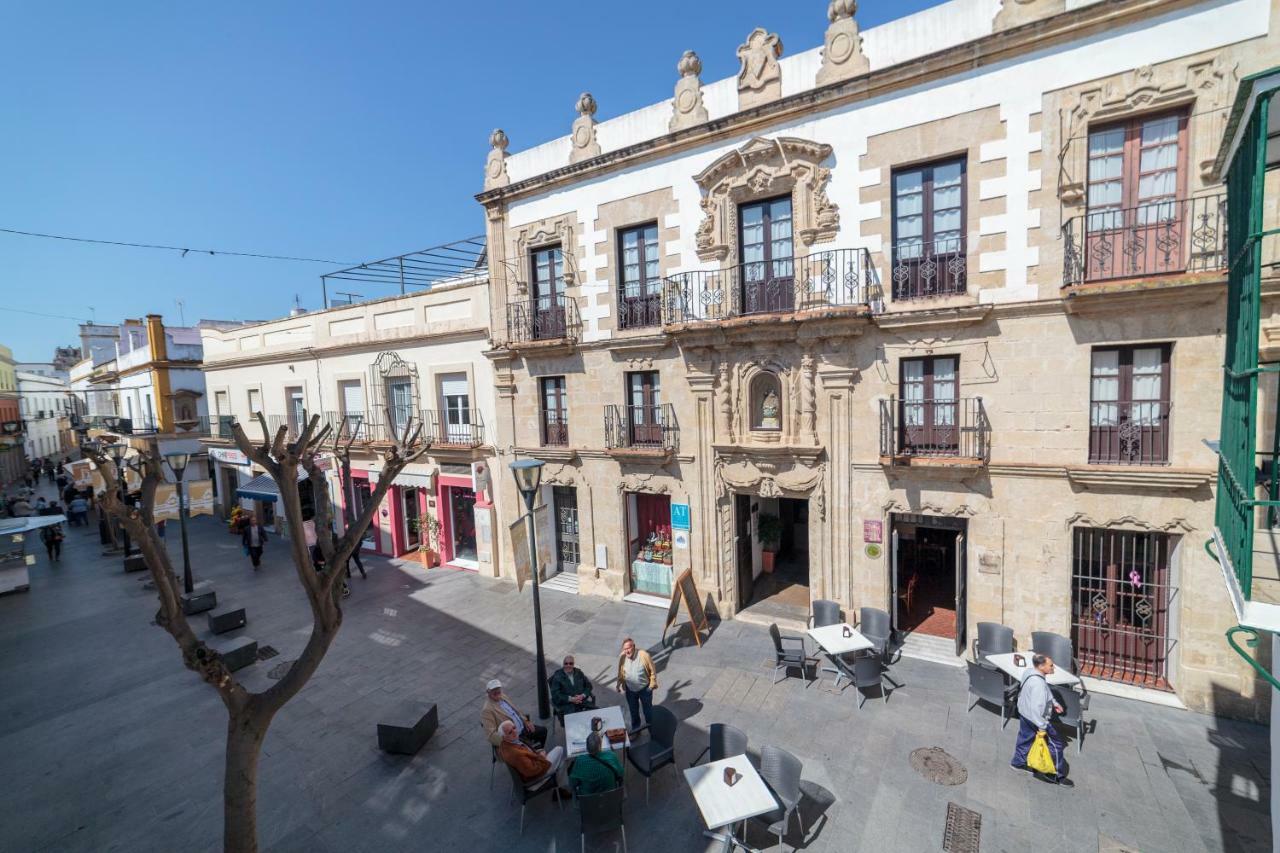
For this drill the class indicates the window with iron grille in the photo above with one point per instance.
(639, 283)
(928, 230)
(1129, 405)
(555, 411)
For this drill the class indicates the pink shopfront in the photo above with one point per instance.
(447, 495)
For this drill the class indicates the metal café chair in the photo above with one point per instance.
(1058, 648)
(659, 749)
(781, 772)
(1073, 707)
(794, 656)
(530, 790)
(824, 613)
(988, 685)
(874, 624)
(725, 741)
(602, 813)
(993, 639)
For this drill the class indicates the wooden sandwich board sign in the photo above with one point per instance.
(686, 589)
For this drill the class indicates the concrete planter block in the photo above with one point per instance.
(227, 619)
(135, 563)
(200, 599)
(408, 727)
(237, 653)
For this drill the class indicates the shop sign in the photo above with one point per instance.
(680, 539)
(166, 506)
(679, 516)
(229, 456)
(81, 471)
(873, 531)
(200, 497)
(873, 551)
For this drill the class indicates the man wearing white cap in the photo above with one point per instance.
(498, 709)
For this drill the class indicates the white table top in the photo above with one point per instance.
(1004, 662)
(834, 642)
(721, 805)
(578, 725)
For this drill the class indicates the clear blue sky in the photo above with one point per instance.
(347, 131)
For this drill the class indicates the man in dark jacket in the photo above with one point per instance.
(570, 689)
(254, 539)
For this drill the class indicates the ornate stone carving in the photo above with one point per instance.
(687, 108)
(583, 135)
(559, 229)
(726, 403)
(842, 55)
(653, 483)
(760, 76)
(929, 508)
(495, 167)
(1015, 13)
(766, 166)
(809, 372)
(770, 481)
(1176, 525)
(1208, 83)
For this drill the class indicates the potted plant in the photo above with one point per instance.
(428, 529)
(769, 532)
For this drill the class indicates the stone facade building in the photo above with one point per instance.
(927, 319)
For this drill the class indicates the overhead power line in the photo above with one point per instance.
(7, 309)
(183, 249)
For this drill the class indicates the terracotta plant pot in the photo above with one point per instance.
(428, 558)
(766, 559)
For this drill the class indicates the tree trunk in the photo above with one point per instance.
(245, 732)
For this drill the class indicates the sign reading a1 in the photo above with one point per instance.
(679, 516)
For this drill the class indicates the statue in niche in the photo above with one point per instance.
(769, 407)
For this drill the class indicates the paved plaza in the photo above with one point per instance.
(110, 745)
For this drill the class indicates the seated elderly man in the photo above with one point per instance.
(498, 708)
(533, 765)
(570, 689)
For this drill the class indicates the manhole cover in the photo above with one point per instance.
(936, 765)
(577, 617)
(964, 830)
(277, 672)
(266, 652)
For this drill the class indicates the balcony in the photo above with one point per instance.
(216, 427)
(940, 432)
(1160, 238)
(543, 320)
(929, 269)
(453, 427)
(837, 278)
(555, 428)
(1129, 433)
(641, 431)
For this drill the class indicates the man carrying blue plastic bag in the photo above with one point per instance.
(1036, 708)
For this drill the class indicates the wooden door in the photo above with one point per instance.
(928, 411)
(767, 253)
(644, 409)
(742, 537)
(547, 294)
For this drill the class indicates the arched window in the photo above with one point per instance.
(766, 403)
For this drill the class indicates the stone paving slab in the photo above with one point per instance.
(108, 744)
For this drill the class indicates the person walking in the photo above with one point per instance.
(78, 507)
(254, 539)
(638, 679)
(51, 536)
(49, 470)
(1036, 708)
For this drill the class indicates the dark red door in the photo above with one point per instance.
(644, 409)
(928, 411)
(768, 263)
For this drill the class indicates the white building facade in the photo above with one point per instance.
(46, 410)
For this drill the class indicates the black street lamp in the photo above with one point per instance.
(178, 465)
(117, 452)
(528, 474)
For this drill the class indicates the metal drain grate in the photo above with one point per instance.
(963, 833)
(934, 764)
(266, 652)
(277, 672)
(577, 617)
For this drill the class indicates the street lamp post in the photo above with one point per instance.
(117, 452)
(178, 465)
(528, 474)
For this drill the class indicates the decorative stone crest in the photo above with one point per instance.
(842, 55)
(760, 77)
(1015, 13)
(583, 135)
(495, 167)
(770, 481)
(687, 108)
(766, 166)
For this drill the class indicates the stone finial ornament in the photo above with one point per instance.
(1015, 13)
(842, 55)
(760, 77)
(495, 167)
(687, 107)
(583, 135)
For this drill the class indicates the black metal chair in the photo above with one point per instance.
(725, 741)
(658, 750)
(993, 639)
(1073, 707)
(531, 790)
(602, 813)
(781, 772)
(988, 685)
(824, 613)
(785, 658)
(493, 755)
(876, 626)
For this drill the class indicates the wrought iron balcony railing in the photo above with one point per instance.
(823, 280)
(1159, 238)
(543, 318)
(923, 269)
(651, 428)
(640, 307)
(453, 427)
(935, 428)
(555, 428)
(1129, 433)
(214, 426)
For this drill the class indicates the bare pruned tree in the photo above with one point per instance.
(250, 713)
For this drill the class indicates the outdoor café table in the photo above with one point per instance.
(1004, 662)
(578, 725)
(832, 641)
(723, 806)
